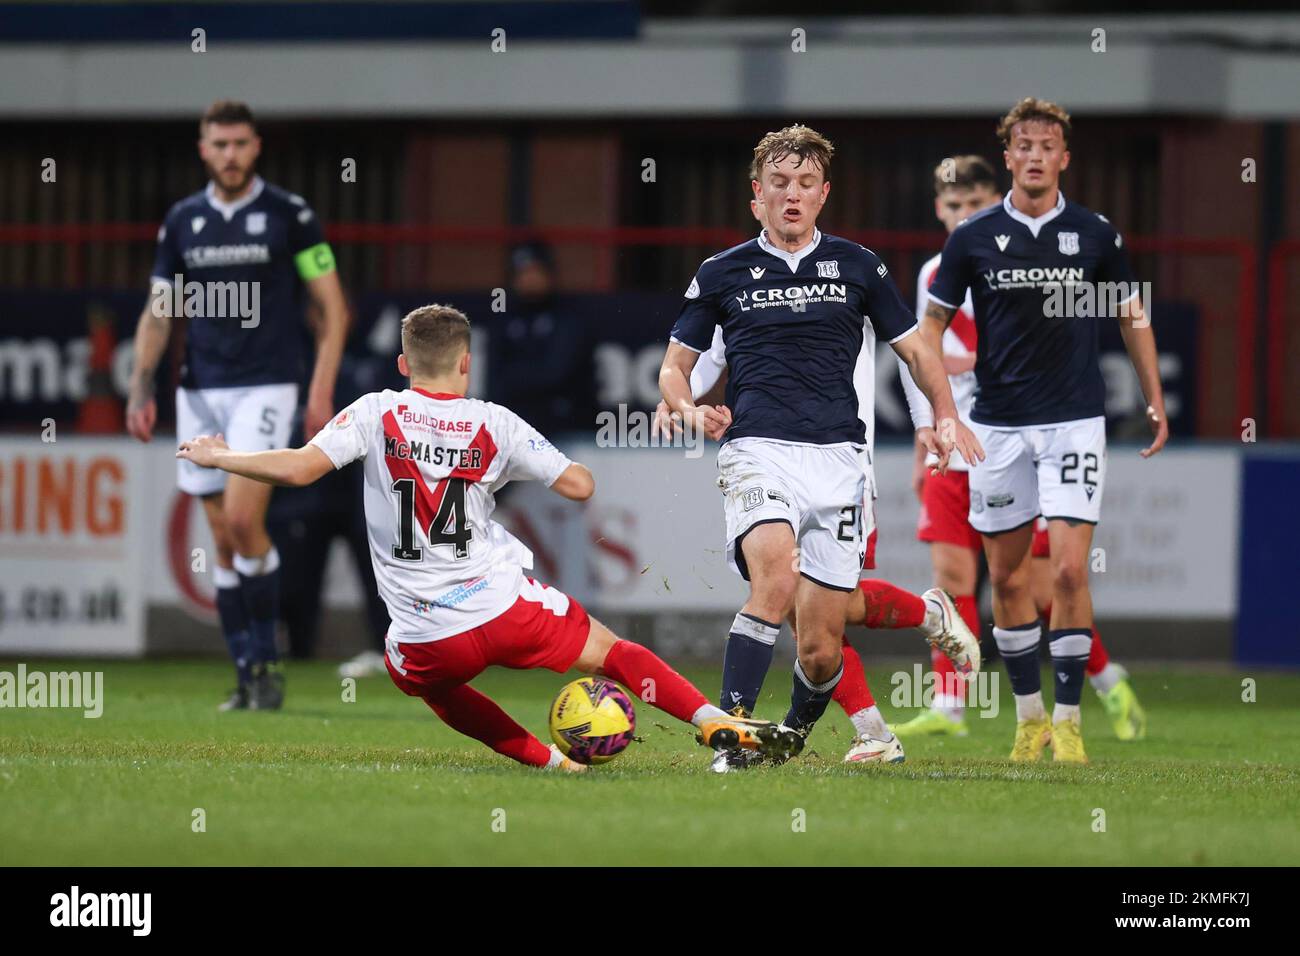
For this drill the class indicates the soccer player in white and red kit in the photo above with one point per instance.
(452, 578)
(964, 185)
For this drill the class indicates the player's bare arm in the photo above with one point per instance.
(675, 386)
(935, 322)
(918, 467)
(927, 371)
(289, 467)
(1140, 340)
(151, 335)
(575, 483)
(958, 364)
(331, 333)
(669, 423)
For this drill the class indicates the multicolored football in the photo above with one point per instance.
(592, 720)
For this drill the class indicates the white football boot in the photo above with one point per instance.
(948, 632)
(875, 750)
(563, 763)
(365, 664)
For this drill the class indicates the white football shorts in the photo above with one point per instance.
(818, 490)
(252, 418)
(1057, 471)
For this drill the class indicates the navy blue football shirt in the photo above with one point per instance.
(792, 324)
(1032, 368)
(270, 237)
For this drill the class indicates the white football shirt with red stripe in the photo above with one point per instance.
(958, 339)
(432, 464)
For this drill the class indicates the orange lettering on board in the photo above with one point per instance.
(20, 496)
(99, 524)
(55, 495)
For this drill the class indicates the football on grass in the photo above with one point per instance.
(592, 720)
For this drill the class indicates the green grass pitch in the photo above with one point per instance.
(381, 781)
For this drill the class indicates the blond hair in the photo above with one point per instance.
(802, 141)
(433, 338)
(1030, 110)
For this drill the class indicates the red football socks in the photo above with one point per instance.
(639, 670)
(464, 709)
(891, 607)
(852, 692)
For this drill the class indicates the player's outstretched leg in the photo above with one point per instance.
(943, 622)
(473, 714)
(881, 605)
(646, 675)
(874, 741)
(438, 673)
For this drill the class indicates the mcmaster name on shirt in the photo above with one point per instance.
(430, 455)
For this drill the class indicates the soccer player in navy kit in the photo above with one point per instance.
(1040, 405)
(238, 243)
(792, 305)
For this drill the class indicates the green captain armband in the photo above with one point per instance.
(314, 261)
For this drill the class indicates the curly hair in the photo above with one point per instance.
(1029, 110)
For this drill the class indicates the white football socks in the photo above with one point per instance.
(869, 722)
(1030, 707)
(949, 705)
(1068, 712)
(1105, 680)
(707, 712)
(932, 626)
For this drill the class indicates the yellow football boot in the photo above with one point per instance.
(1125, 713)
(1067, 743)
(1031, 737)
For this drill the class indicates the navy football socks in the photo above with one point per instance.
(745, 661)
(234, 620)
(808, 700)
(1070, 647)
(259, 582)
